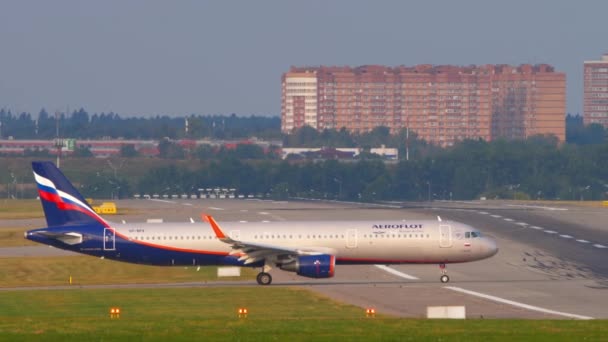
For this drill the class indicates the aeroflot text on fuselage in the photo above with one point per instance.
(398, 226)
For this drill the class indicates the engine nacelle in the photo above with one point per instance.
(312, 266)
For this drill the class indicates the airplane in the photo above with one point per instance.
(309, 248)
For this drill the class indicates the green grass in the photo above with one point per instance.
(13, 237)
(275, 314)
(86, 270)
(20, 209)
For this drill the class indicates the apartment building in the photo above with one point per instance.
(595, 93)
(442, 104)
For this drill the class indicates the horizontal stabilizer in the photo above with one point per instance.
(70, 238)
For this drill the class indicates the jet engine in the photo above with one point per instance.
(311, 266)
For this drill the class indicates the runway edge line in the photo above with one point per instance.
(513, 303)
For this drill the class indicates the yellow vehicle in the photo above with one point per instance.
(108, 208)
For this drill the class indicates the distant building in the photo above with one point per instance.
(442, 104)
(386, 153)
(595, 106)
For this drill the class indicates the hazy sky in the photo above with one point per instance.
(222, 57)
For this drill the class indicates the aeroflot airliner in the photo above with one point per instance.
(310, 249)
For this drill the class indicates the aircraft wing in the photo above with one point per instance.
(252, 252)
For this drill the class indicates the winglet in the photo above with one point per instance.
(216, 228)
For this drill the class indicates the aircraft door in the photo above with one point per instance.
(109, 239)
(351, 238)
(235, 234)
(445, 235)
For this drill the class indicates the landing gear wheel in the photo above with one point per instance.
(444, 273)
(264, 278)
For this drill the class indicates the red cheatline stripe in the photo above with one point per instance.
(169, 248)
(395, 261)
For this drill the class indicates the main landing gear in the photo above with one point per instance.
(444, 274)
(264, 278)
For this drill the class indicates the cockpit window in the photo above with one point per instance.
(469, 235)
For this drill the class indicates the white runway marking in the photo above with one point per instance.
(536, 227)
(508, 219)
(483, 212)
(395, 272)
(517, 304)
(243, 221)
(582, 241)
(550, 231)
(496, 216)
(536, 207)
(163, 201)
(215, 208)
(263, 213)
(521, 223)
(597, 245)
(265, 221)
(566, 236)
(188, 204)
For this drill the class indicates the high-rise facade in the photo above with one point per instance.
(442, 104)
(595, 106)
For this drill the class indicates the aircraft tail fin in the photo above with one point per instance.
(62, 203)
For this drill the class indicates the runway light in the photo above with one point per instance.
(370, 312)
(114, 312)
(243, 312)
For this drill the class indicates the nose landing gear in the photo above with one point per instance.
(444, 274)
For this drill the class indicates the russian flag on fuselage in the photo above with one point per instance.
(61, 202)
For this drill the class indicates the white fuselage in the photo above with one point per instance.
(351, 242)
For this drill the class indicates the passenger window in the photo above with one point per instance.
(467, 235)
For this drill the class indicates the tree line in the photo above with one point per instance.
(536, 168)
(81, 125)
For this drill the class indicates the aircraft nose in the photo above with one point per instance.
(491, 247)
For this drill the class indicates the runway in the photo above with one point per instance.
(551, 262)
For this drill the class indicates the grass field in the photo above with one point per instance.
(13, 237)
(86, 270)
(20, 209)
(275, 314)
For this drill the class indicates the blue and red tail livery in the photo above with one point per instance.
(61, 202)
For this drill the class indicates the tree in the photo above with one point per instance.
(128, 151)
